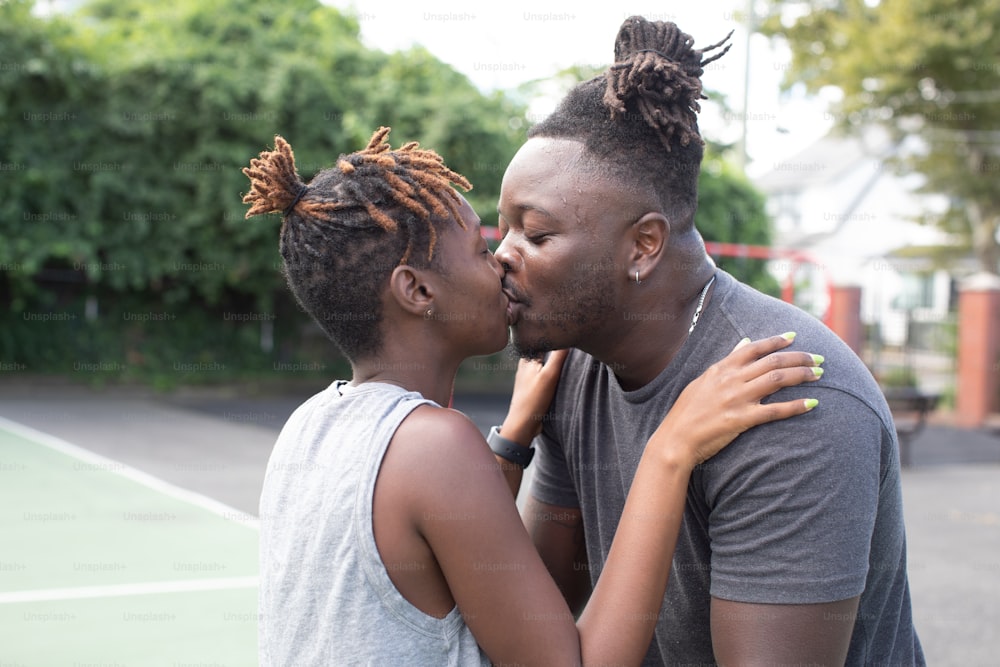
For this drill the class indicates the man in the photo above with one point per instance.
(792, 548)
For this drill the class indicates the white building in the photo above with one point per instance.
(841, 203)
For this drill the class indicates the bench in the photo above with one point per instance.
(910, 407)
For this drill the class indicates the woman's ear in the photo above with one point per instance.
(413, 289)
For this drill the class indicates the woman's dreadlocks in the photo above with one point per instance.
(344, 233)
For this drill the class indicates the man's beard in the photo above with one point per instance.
(585, 315)
(533, 352)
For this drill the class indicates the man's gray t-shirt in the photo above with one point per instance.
(325, 596)
(805, 510)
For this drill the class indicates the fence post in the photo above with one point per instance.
(845, 315)
(978, 349)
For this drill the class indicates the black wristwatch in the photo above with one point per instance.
(508, 449)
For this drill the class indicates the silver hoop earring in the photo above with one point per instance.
(636, 277)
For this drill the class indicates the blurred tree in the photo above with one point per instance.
(194, 90)
(131, 121)
(49, 92)
(424, 100)
(126, 124)
(731, 210)
(929, 70)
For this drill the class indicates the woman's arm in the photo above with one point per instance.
(708, 415)
(461, 507)
(534, 386)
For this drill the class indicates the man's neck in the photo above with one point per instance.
(650, 337)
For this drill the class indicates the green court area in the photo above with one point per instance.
(104, 566)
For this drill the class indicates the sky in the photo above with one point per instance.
(505, 44)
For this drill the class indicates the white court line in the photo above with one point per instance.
(121, 590)
(128, 472)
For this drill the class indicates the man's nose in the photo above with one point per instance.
(506, 257)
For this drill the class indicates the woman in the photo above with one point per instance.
(388, 532)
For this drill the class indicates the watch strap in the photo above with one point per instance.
(508, 449)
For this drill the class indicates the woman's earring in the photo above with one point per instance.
(637, 277)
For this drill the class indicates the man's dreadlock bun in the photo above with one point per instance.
(637, 121)
(657, 72)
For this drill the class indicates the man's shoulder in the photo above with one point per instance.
(757, 315)
(748, 312)
(744, 301)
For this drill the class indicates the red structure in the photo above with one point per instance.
(978, 384)
(844, 315)
(796, 257)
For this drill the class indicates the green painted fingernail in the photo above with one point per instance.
(818, 358)
(817, 371)
(745, 340)
(811, 403)
(788, 335)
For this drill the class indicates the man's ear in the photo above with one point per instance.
(412, 289)
(649, 236)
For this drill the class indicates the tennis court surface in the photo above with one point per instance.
(103, 565)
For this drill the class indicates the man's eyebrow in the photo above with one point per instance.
(523, 208)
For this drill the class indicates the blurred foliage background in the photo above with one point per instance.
(124, 252)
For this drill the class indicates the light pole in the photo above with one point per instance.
(742, 155)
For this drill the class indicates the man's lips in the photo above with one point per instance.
(511, 295)
(513, 303)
